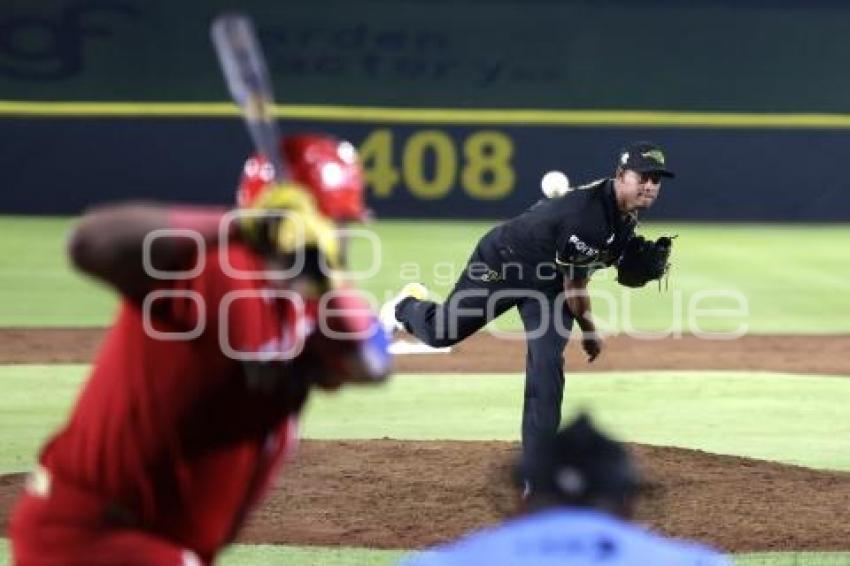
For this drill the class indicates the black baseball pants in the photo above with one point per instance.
(493, 282)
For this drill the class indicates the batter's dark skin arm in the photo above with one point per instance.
(108, 242)
(578, 301)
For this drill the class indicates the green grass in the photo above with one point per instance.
(266, 554)
(35, 401)
(793, 559)
(772, 416)
(242, 555)
(794, 279)
(252, 555)
(787, 418)
(37, 286)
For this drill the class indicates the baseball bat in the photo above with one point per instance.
(247, 77)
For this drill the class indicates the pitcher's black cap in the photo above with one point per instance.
(644, 157)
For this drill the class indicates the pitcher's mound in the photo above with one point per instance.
(403, 494)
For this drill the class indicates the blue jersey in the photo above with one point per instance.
(567, 537)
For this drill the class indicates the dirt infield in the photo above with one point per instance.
(394, 494)
(483, 353)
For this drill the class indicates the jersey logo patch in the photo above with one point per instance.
(582, 247)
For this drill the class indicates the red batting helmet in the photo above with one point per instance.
(327, 166)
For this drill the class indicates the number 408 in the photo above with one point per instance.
(486, 172)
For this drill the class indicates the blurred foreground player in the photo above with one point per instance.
(193, 399)
(324, 165)
(578, 514)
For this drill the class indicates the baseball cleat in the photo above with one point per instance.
(416, 291)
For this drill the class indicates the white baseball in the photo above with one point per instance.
(555, 184)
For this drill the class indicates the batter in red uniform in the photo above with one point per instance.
(193, 398)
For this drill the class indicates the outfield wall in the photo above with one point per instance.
(746, 97)
(60, 165)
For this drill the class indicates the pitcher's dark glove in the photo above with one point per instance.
(644, 260)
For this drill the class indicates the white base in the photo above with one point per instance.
(405, 347)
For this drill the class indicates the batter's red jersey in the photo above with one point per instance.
(171, 431)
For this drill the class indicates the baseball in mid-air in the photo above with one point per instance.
(555, 184)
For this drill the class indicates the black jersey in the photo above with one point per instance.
(580, 231)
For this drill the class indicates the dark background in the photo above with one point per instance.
(702, 56)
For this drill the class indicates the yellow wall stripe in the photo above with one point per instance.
(430, 115)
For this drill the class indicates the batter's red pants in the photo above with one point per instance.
(57, 524)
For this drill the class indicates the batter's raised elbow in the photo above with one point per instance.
(80, 248)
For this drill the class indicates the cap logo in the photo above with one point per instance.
(624, 158)
(655, 155)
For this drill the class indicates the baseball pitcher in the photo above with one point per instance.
(540, 262)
